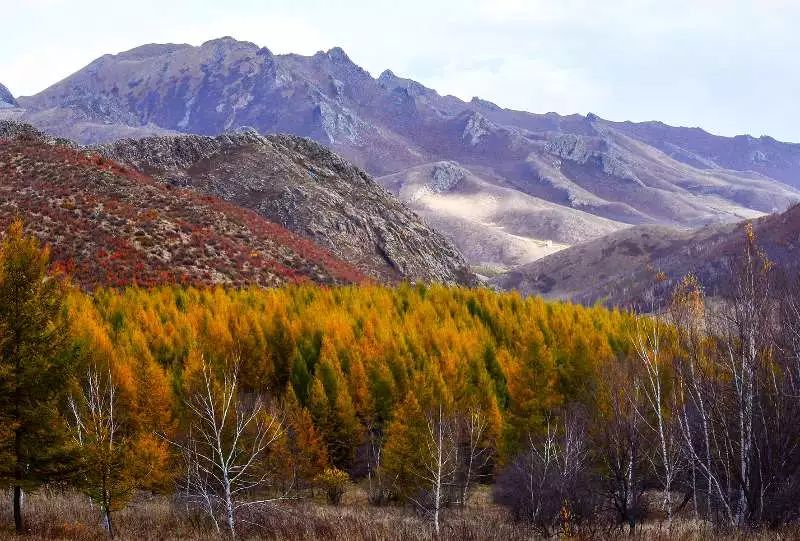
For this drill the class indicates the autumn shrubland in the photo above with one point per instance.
(312, 412)
(110, 225)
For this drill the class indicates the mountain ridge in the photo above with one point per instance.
(607, 175)
(7, 99)
(639, 266)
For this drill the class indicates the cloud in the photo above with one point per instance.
(519, 82)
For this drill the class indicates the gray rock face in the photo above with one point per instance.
(446, 175)
(6, 98)
(309, 190)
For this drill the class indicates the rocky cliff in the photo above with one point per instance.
(6, 98)
(308, 189)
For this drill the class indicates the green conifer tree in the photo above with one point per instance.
(36, 358)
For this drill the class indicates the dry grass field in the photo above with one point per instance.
(54, 514)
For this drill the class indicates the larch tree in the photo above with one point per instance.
(309, 456)
(36, 359)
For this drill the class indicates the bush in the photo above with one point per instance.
(334, 482)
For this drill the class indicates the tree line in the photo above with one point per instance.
(236, 399)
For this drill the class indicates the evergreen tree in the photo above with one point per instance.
(36, 359)
(403, 454)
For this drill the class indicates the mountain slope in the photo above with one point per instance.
(307, 189)
(606, 174)
(490, 223)
(621, 269)
(111, 225)
(701, 149)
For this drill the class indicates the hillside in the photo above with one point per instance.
(112, 226)
(495, 226)
(307, 189)
(564, 179)
(621, 269)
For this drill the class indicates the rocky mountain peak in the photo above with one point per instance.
(6, 98)
(485, 104)
(387, 77)
(150, 50)
(229, 43)
(337, 54)
(391, 82)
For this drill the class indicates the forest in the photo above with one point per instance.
(424, 410)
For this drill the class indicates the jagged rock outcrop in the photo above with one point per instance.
(6, 98)
(308, 189)
(596, 150)
(446, 175)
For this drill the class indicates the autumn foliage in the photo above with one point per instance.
(350, 360)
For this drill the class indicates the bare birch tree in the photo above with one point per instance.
(620, 447)
(439, 466)
(548, 484)
(475, 455)
(745, 332)
(379, 488)
(225, 452)
(655, 413)
(688, 316)
(732, 391)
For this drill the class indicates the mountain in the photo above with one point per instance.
(6, 98)
(308, 189)
(112, 226)
(495, 226)
(629, 267)
(530, 183)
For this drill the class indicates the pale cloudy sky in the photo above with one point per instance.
(730, 66)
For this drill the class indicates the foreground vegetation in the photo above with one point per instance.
(59, 515)
(236, 410)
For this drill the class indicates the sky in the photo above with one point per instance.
(728, 66)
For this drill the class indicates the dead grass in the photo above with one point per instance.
(54, 514)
